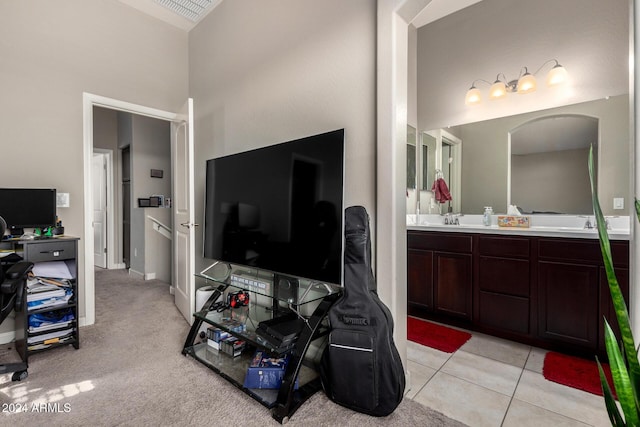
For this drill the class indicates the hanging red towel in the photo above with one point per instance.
(441, 191)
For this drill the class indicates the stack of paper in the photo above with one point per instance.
(50, 338)
(46, 296)
(41, 322)
(43, 292)
(54, 269)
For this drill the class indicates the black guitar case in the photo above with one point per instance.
(360, 368)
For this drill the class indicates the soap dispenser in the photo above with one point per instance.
(486, 219)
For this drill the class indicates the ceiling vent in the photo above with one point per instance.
(193, 10)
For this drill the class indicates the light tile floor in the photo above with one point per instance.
(493, 382)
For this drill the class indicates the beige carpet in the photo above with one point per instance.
(129, 371)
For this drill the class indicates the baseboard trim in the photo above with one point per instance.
(149, 276)
(136, 273)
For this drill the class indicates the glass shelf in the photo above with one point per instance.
(265, 303)
(293, 291)
(228, 321)
(234, 369)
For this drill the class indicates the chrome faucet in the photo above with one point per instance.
(589, 225)
(451, 219)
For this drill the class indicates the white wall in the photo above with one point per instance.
(268, 72)
(150, 250)
(589, 37)
(52, 52)
(150, 149)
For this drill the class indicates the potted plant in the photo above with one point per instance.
(623, 359)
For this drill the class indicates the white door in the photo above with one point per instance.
(183, 212)
(99, 185)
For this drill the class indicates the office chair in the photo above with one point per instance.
(12, 297)
(12, 288)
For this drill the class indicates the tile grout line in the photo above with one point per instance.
(436, 370)
(516, 387)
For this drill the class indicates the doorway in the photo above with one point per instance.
(148, 140)
(125, 165)
(177, 120)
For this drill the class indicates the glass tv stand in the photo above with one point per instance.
(270, 296)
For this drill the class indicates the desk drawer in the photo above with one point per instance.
(50, 251)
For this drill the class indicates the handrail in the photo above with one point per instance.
(160, 227)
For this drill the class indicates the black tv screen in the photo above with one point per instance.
(28, 207)
(279, 208)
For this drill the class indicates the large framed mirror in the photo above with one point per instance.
(591, 40)
(547, 158)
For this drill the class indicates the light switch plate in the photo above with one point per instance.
(62, 200)
(618, 203)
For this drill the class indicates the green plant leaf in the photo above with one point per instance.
(622, 314)
(621, 381)
(638, 208)
(612, 409)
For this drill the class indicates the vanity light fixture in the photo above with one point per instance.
(525, 83)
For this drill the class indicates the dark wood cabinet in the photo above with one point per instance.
(568, 303)
(452, 284)
(440, 274)
(574, 293)
(503, 291)
(420, 279)
(543, 291)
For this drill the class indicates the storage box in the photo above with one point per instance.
(232, 346)
(513, 221)
(266, 372)
(216, 334)
(234, 325)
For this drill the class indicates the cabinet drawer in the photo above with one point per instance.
(504, 276)
(438, 241)
(504, 312)
(582, 250)
(50, 251)
(510, 247)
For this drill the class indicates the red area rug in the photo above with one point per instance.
(435, 336)
(575, 372)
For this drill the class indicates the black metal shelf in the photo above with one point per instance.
(62, 248)
(284, 401)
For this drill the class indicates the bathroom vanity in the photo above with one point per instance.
(544, 285)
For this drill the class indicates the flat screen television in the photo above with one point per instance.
(279, 208)
(28, 208)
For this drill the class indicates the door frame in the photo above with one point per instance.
(89, 101)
